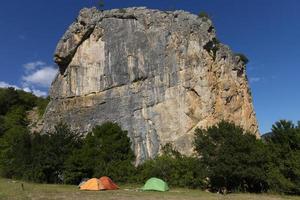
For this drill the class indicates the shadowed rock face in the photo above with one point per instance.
(158, 74)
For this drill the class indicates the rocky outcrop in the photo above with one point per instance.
(158, 74)
(35, 120)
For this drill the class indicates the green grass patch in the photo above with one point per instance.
(10, 189)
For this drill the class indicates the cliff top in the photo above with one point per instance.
(151, 18)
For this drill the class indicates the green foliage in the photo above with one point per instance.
(16, 116)
(284, 148)
(175, 169)
(15, 140)
(15, 103)
(242, 57)
(204, 15)
(14, 152)
(9, 97)
(50, 152)
(235, 159)
(212, 47)
(106, 152)
(227, 155)
(122, 10)
(42, 104)
(2, 128)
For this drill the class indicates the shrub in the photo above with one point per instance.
(235, 159)
(203, 14)
(175, 169)
(122, 10)
(242, 57)
(212, 46)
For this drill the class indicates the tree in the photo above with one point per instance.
(16, 116)
(50, 152)
(15, 140)
(14, 152)
(176, 169)
(8, 97)
(106, 152)
(284, 148)
(235, 159)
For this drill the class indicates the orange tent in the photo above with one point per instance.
(107, 183)
(92, 184)
(104, 183)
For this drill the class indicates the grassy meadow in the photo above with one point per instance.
(11, 190)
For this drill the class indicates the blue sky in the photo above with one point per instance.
(267, 31)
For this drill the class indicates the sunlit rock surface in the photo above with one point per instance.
(158, 74)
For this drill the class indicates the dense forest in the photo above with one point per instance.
(226, 157)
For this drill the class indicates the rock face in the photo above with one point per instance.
(158, 74)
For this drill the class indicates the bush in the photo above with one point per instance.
(203, 14)
(235, 159)
(242, 57)
(212, 46)
(175, 169)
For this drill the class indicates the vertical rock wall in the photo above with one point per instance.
(158, 74)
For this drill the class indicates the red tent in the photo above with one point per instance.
(107, 183)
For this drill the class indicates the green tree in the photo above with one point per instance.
(284, 148)
(1, 126)
(50, 152)
(8, 97)
(176, 169)
(235, 159)
(14, 152)
(16, 116)
(106, 152)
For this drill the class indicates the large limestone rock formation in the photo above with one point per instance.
(158, 74)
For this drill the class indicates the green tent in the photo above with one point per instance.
(155, 184)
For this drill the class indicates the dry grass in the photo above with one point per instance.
(12, 190)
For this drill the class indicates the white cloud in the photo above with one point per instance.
(38, 75)
(7, 85)
(41, 77)
(38, 93)
(254, 79)
(33, 65)
(36, 79)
